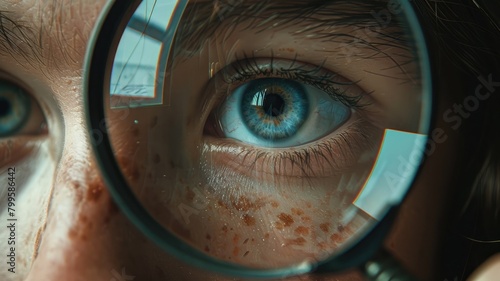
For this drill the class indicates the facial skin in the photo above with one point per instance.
(72, 230)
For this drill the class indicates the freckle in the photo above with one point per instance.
(76, 185)
(236, 238)
(302, 230)
(83, 218)
(308, 205)
(236, 250)
(94, 190)
(243, 204)
(224, 228)
(325, 227)
(246, 253)
(278, 225)
(336, 238)
(154, 121)
(208, 237)
(156, 158)
(286, 219)
(340, 228)
(306, 219)
(275, 204)
(222, 204)
(246, 240)
(249, 220)
(266, 236)
(84, 237)
(298, 241)
(72, 233)
(207, 249)
(322, 245)
(297, 212)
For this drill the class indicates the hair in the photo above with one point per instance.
(467, 34)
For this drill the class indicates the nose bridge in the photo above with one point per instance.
(77, 235)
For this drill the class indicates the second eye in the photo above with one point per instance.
(278, 112)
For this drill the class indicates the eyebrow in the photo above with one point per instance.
(319, 20)
(19, 39)
(39, 37)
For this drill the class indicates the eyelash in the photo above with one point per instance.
(334, 154)
(248, 68)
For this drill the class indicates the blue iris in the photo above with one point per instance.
(274, 108)
(277, 112)
(14, 108)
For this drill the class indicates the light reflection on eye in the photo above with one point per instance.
(277, 112)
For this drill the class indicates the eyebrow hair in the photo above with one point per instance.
(19, 39)
(37, 38)
(316, 19)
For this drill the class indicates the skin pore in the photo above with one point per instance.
(71, 228)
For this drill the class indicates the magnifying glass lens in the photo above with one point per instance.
(267, 134)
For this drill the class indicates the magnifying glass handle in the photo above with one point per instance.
(384, 267)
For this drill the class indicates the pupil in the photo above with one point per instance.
(274, 105)
(5, 107)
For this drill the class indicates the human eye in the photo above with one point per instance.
(22, 121)
(283, 109)
(289, 112)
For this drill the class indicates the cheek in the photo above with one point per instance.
(260, 230)
(232, 217)
(33, 178)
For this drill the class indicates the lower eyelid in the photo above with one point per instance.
(329, 156)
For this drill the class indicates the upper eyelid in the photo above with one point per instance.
(6, 76)
(314, 75)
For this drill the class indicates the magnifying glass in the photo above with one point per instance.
(261, 139)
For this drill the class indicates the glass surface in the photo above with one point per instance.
(267, 134)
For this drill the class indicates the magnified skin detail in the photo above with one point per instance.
(268, 202)
(247, 203)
